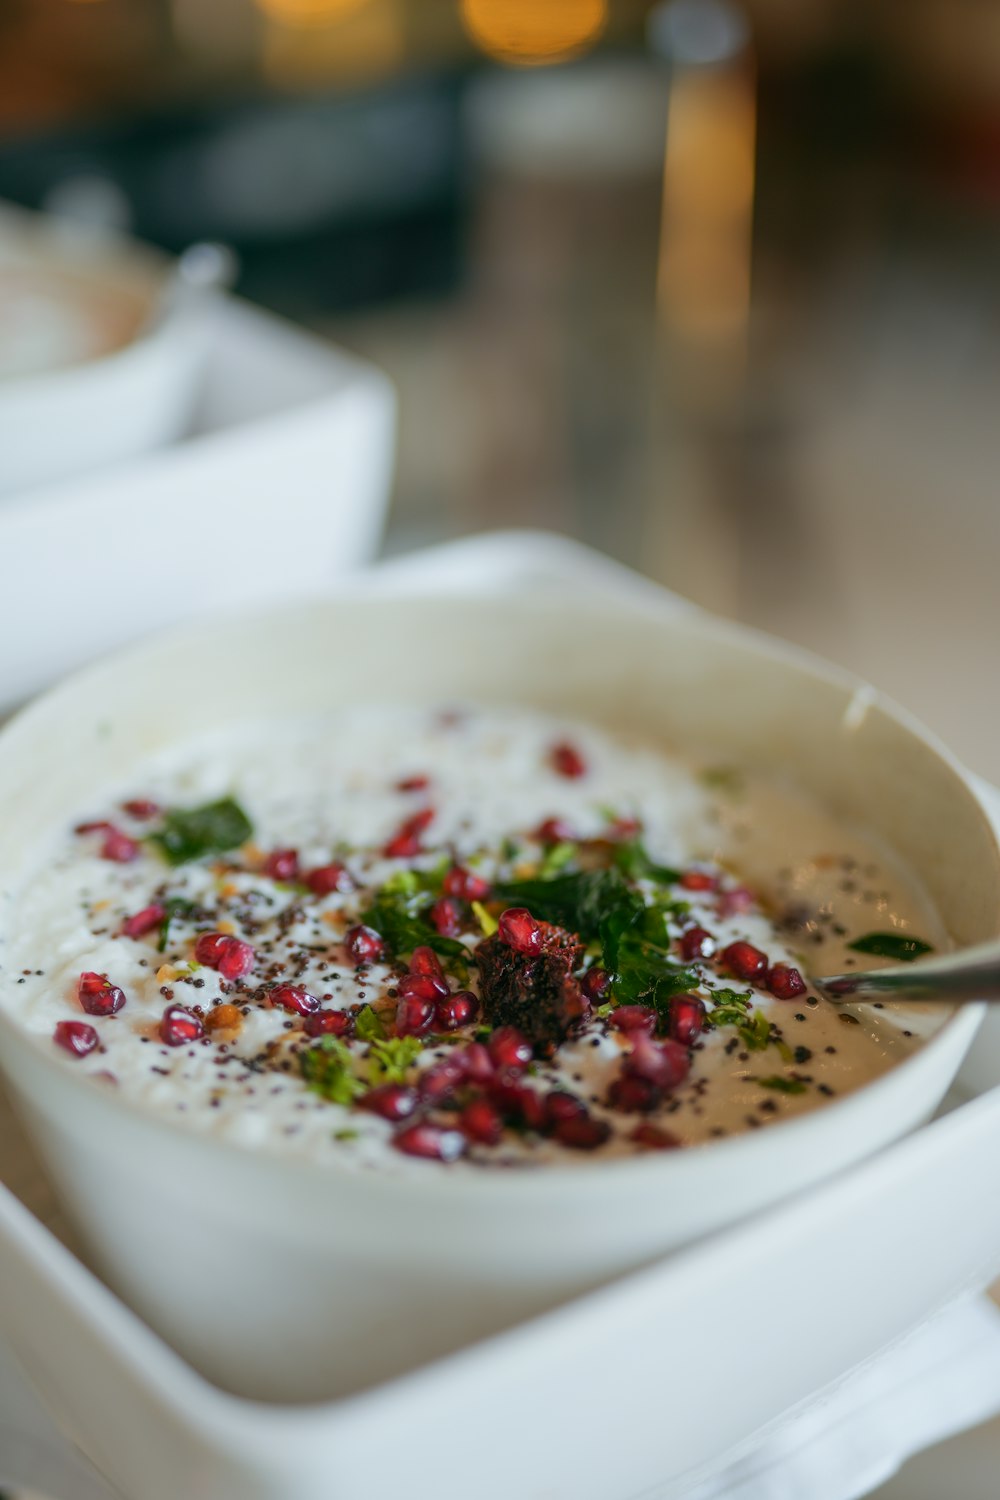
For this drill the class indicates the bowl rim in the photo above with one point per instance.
(530, 1180)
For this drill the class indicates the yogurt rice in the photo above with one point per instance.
(491, 939)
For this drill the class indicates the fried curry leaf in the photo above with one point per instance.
(632, 859)
(192, 832)
(894, 945)
(401, 920)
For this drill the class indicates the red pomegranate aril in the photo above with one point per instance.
(519, 930)
(654, 1138)
(405, 843)
(294, 998)
(364, 944)
(413, 1016)
(567, 761)
(481, 1123)
(736, 902)
(698, 880)
(392, 1101)
(118, 847)
(785, 982)
(208, 948)
(686, 1019)
(582, 1133)
(745, 961)
(440, 1082)
(329, 1023)
(433, 1142)
(510, 1051)
(427, 987)
(519, 1104)
(445, 917)
(595, 985)
(179, 1025)
(560, 1106)
(633, 1018)
(98, 996)
(282, 864)
(465, 885)
(477, 1063)
(141, 808)
(413, 784)
(96, 825)
(143, 921)
(665, 1064)
(237, 960)
(555, 831)
(326, 879)
(696, 942)
(76, 1037)
(457, 1010)
(634, 1095)
(424, 960)
(623, 828)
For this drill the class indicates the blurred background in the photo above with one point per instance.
(711, 286)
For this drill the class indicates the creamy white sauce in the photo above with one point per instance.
(328, 788)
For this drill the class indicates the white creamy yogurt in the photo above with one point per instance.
(329, 789)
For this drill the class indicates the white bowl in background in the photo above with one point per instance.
(324, 1281)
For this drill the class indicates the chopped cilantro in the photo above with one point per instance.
(345, 1135)
(781, 1084)
(489, 924)
(368, 1025)
(328, 1069)
(756, 1032)
(556, 859)
(190, 833)
(174, 906)
(891, 945)
(391, 1059)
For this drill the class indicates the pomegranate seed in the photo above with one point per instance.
(567, 761)
(465, 885)
(519, 1104)
(413, 784)
(208, 948)
(141, 808)
(735, 902)
(414, 1016)
(178, 1026)
(98, 996)
(282, 864)
(144, 921)
(510, 1051)
(364, 944)
(327, 878)
(631, 1018)
(595, 984)
(393, 1101)
(634, 1095)
(477, 1062)
(446, 916)
(520, 931)
(653, 1137)
(76, 1036)
(406, 842)
(118, 847)
(458, 1010)
(698, 880)
(665, 1064)
(785, 982)
(560, 1106)
(582, 1133)
(238, 959)
(95, 826)
(744, 960)
(687, 1018)
(294, 998)
(696, 942)
(422, 987)
(440, 1081)
(329, 1023)
(480, 1122)
(433, 1142)
(555, 831)
(424, 960)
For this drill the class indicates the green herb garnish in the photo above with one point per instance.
(756, 1032)
(891, 945)
(174, 906)
(391, 1060)
(399, 917)
(368, 1025)
(489, 924)
(190, 833)
(328, 1069)
(781, 1084)
(345, 1135)
(556, 859)
(632, 859)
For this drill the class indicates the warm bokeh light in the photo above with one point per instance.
(356, 47)
(307, 13)
(533, 32)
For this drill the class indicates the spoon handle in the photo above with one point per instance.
(967, 975)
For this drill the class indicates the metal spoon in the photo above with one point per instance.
(967, 975)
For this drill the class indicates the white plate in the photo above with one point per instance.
(687, 1362)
